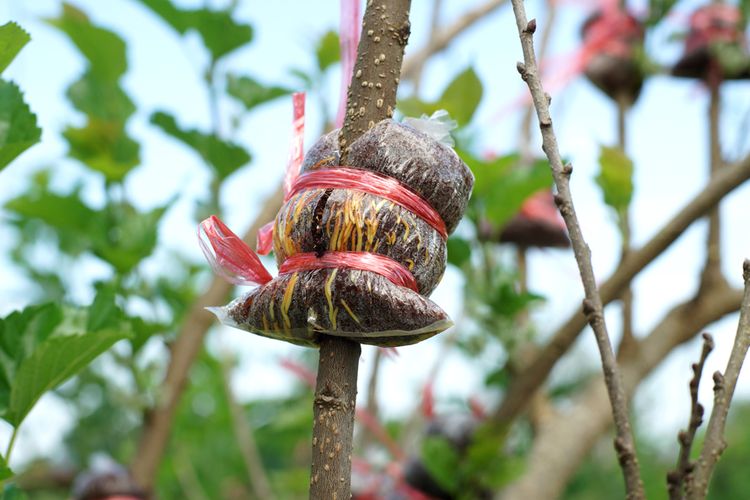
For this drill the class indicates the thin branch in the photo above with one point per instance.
(437, 7)
(559, 447)
(183, 352)
(371, 98)
(626, 298)
(439, 41)
(528, 114)
(592, 304)
(676, 478)
(724, 385)
(538, 370)
(243, 433)
(712, 269)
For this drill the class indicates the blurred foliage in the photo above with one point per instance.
(18, 129)
(132, 310)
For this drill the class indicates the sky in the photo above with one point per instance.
(667, 141)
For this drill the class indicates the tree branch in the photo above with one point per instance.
(712, 270)
(538, 370)
(259, 482)
(440, 40)
(592, 304)
(371, 98)
(183, 352)
(676, 478)
(559, 447)
(724, 385)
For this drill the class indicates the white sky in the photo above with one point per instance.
(667, 134)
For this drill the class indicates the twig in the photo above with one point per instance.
(370, 99)
(259, 482)
(592, 304)
(527, 382)
(559, 447)
(724, 385)
(528, 114)
(676, 478)
(440, 40)
(158, 422)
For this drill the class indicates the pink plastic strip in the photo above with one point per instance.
(297, 147)
(229, 256)
(362, 261)
(349, 29)
(371, 183)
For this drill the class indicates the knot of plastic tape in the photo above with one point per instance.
(372, 183)
(232, 259)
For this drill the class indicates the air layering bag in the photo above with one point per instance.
(359, 246)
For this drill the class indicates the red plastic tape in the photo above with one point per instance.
(371, 183)
(232, 259)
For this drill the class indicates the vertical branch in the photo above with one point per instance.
(259, 482)
(370, 99)
(676, 478)
(714, 444)
(626, 299)
(592, 304)
(712, 270)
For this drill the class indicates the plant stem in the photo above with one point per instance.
(261, 486)
(12, 441)
(677, 477)
(592, 304)
(724, 385)
(371, 98)
(626, 299)
(712, 269)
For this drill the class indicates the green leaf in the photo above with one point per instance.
(462, 96)
(328, 50)
(66, 213)
(615, 178)
(5, 471)
(100, 98)
(42, 346)
(224, 157)
(127, 236)
(503, 184)
(221, 34)
(13, 492)
(104, 147)
(442, 462)
(460, 99)
(18, 128)
(251, 93)
(12, 40)
(658, 9)
(104, 50)
(459, 251)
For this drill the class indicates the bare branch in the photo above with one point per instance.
(724, 385)
(559, 447)
(592, 304)
(528, 381)
(183, 353)
(712, 269)
(676, 478)
(440, 40)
